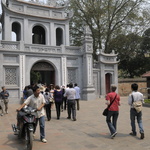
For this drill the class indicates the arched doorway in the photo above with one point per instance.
(108, 80)
(42, 72)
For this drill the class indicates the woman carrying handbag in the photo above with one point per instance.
(113, 101)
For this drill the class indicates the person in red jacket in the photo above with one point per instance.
(113, 112)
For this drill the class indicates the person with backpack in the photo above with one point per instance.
(135, 96)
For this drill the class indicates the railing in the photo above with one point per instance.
(9, 45)
(38, 48)
(73, 50)
(47, 2)
(42, 48)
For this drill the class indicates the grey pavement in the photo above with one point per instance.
(90, 131)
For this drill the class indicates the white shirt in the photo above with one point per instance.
(77, 96)
(36, 102)
(70, 93)
(137, 96)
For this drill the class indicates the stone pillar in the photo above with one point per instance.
(52, 34)
(22, 74)
(7, 28)
(66, 37)
(27, 35)
(88, 87)
(102, 80)
(64, 68)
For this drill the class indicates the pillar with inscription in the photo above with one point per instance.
(88, 87)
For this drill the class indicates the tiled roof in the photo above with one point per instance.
(147, 74)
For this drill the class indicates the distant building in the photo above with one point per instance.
(41, 33)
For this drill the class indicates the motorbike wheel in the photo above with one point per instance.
(29, 140)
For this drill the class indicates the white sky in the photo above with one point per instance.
(0, 13)
(0, 7)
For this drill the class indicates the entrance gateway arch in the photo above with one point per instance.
(45, 71)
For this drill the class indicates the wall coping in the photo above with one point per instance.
(131, 80)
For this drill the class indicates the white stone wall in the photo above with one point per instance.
(71, 64)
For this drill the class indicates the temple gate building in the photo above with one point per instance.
(41, 44)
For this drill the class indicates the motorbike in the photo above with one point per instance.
(26, 126)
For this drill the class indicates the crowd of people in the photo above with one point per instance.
(44, 98)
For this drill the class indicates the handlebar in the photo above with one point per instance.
(27, 110)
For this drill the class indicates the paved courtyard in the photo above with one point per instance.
(89, 132)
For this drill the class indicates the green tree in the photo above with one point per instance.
(131, 56)
(35, 76)
(105, 18)
(145, 46)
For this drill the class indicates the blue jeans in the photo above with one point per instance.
(41, 121)
(133, 115)
(112, 124)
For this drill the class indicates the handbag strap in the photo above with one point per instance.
(112, 101)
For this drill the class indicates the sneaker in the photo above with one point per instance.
(142, 136)
(133, 134)
(113, 135)
(2, 114)
(44, 140)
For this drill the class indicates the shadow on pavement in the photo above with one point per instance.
(14, 143)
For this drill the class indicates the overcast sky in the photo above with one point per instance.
(0, 7)
(0, 13)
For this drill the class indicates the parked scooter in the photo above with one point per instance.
(26, 126)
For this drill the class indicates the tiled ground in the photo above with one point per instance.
(89, 132)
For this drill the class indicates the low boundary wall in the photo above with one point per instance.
(124, 85)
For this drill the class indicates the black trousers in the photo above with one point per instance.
(64, 103)
(71, 107)
(48, 111)
(58, 107)
(78, 106)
